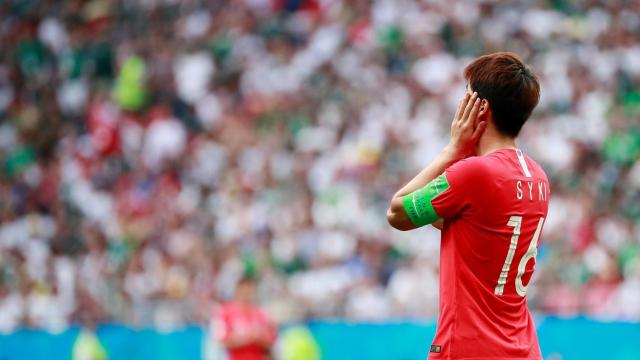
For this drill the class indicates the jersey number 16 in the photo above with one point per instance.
(521, 289)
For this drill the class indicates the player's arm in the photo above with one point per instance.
(411, 205)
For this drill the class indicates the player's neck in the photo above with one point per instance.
(492, 140)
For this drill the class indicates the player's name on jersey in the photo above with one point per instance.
(532, 190)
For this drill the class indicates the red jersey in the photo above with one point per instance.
(494, 210)
(233, 321)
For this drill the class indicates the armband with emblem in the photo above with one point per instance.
(418, 205)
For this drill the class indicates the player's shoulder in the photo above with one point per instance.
(226, 307)
(473, 166)
(536, 168)
(496, 165)
(472, 172)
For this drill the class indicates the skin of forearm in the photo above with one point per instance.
(396, 215)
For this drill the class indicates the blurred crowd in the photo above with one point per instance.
(154, 152)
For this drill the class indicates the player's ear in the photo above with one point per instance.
(484, 108)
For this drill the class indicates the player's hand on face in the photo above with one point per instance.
(466, 127)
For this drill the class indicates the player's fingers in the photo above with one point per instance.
(470, 120)
(483, 104)
(469, 106)
(461, 106)
(482, 125)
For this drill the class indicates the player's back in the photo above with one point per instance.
(494, 210)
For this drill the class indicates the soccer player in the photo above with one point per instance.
(490, 200)
(242, 327)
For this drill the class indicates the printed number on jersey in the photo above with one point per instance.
(532, 251)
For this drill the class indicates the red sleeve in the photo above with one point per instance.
(465, 179)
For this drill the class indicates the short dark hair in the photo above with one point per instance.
(510, 87)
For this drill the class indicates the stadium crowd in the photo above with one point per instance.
(153, 152)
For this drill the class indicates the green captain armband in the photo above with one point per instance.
(418, 203)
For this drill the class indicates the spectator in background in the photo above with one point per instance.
(242, 327)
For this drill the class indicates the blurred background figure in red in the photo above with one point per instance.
(242, 327)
